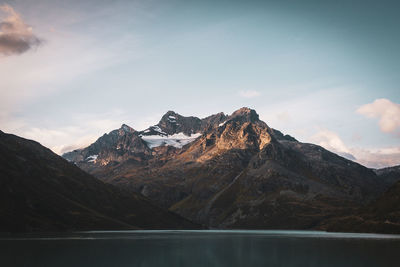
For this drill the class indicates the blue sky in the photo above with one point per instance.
(326, 72)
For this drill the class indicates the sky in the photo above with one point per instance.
(325, 72)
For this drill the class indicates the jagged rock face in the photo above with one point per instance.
(126, 144)
(172, 123)
(230, 135)
(240, 173)
(245, 115)
(242, 136)
(212, 121)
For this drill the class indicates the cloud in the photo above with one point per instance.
(64, 139)
(372, 158)
(249, 93)
(330, 141)
(378, 158)
(16, 36)
(50, 137)
(283, 116)
(386, 111)
(82, 130)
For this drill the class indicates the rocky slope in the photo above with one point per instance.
(117, 146)
(382, 215)
(240, 173)
(390, 175)
(40, 191)
(126, 144)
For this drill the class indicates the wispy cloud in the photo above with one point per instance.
(16, 37)
(378, 158)
(386, 111)
(249, 93)
(80, 132)
(67, 138)
(77, 133)
(373, 158)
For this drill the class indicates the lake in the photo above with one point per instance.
(200, 248)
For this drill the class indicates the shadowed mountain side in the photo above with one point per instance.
(279, 187)
(389, 174)
(40, 191)
(382, 215)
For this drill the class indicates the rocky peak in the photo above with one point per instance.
(172, 123)
(116, 146)
(170, 117)
(240, 130)
(171, 113)
(213, 121)
(243, 135)
(245, 114)
(126, 128)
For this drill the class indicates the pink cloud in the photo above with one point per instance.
(386, 111)
(16, 36)
(372, 158)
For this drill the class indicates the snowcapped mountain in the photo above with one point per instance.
(173, 130)
(176, 130)
(116, 146)
(177, 140)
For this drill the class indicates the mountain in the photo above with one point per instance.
(173, 123)
(382, 215)
(389, 174)
(40, 191)
(117, 146)
(127, 144)
(234, 171)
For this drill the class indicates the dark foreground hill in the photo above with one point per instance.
(40, 191)
(233, 171)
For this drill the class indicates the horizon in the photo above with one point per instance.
(324, 73)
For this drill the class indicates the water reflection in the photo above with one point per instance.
(200, 248)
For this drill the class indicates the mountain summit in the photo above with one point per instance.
(172, 123)
(245, 114)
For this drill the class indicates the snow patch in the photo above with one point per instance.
(158, 129)
(222, 124)
(177, 140)
(92, 158)
(172, 119)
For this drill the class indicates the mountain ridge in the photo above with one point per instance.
(240, 173)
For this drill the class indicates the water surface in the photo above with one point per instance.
(200, 248)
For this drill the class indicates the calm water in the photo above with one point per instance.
(200, 248)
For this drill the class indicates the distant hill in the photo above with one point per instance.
(40, 191)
